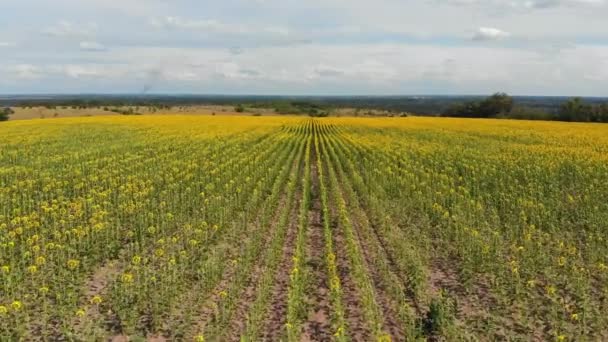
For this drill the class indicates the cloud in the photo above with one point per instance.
(320, 69)
(233, 71)
(92, 46)
(489, 33)
(313, 46)
(218, 31)
(67, 29)
(80, 71)
(7, 44)
(540, 4)
(514, 4)
(236, 50)
(25, 71)
(323, 71)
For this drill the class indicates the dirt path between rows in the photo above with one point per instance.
(318, 325)
(238, 321)
(373, 253)
(274, 324)
(387, 304)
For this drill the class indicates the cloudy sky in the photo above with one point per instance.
(337, 47)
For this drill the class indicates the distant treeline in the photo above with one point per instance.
(501, 105)
(296, 107)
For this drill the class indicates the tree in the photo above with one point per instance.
(463, 110)
(599, 113)
(5, 113)
(575, 110)
(495, 105)
(499, 104)
(603, 113)
(239, 108)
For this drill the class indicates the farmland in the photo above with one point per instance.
(228, 228)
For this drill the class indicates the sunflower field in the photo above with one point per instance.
(193, 228)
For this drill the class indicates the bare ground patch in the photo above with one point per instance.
(318, 325)
(238, 321)
(358, 328)
(274, 325)
(371, 256)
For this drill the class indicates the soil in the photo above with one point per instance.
(388, 305)
(274, 325)
(238, 321)
(318, 325)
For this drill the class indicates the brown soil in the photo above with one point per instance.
(358, 328)
(318, 325)
(101, 278)
(210, 307)
(63, 112)
(119, 338)
(391, 323)
(472, 305)
(96, 285)
(238, 321)
(411, 298)
(274, 325)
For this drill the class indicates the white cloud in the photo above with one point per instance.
(489, 33)
(215, 26)
(25, 71)
(80, 71)
(540, 4)
(514, 4)
(65, 28)
(92, 46)
(345, 69)
(313, 46)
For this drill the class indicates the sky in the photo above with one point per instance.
(305, 47)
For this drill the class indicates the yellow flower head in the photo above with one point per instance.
(335, 283)
(16, 305)
(73, 264)
(32, 269)
(80, 313)
(96, 300)
(127, 278)
(40, 260)
(3, 310)
(6, 269)
(384, 338)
